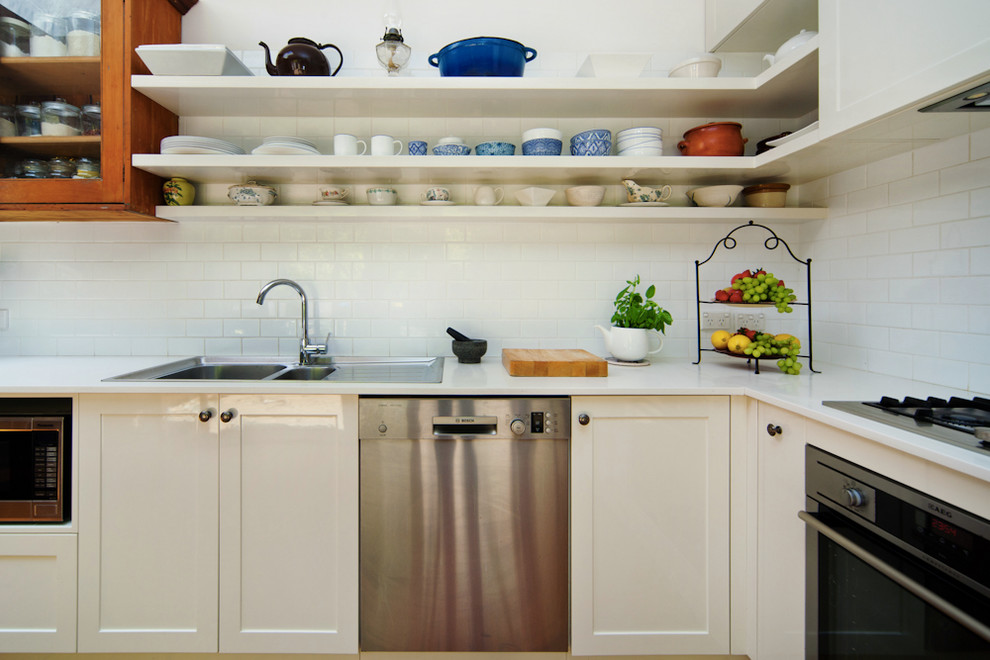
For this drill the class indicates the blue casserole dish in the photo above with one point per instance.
(483, 56)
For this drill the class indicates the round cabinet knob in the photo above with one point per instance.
(382, 428)
(205, 415)
(854, 497)
(517, 426)
(227, 415)
(583, 419)
(774, 429)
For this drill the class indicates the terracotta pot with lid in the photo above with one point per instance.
(721, 138)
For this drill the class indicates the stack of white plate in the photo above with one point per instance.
(285, 145)
(640, 141)
(192, 144)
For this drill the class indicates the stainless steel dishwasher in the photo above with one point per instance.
(464, 508)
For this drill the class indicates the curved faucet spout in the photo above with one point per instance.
(306, 349)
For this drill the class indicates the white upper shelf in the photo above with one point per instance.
(787, 89)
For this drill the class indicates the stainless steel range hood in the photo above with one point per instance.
(976, 99)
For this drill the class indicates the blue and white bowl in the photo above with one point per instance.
(451, 150)
(542, 147)
(495, 149)
(597, 142)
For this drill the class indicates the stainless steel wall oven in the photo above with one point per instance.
(891, 572)
(35, 469)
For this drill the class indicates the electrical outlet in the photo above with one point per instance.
(751, 320)
(716, 320)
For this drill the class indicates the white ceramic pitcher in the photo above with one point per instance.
(630, 344)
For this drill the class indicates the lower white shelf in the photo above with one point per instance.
(470, 213)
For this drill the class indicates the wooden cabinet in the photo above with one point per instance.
(650, 525)
(780, 534)
(236, 535)
(38, 583)
(921, 50)
(131, 123)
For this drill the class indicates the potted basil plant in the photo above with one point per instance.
(638, 322)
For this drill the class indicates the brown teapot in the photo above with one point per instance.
(301, 57)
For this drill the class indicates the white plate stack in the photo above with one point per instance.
(192, 144)
(640, 141)
(285, 145)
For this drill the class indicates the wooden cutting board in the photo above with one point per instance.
(552, 362)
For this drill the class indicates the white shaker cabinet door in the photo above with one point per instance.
(37, 593)
(289, 524)
(148, 527)
(781, 534)
(650, 525)
(878, 56)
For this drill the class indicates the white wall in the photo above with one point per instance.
(902, 265)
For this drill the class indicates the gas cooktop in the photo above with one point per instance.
(962, 422)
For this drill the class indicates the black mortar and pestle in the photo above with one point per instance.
(467, 350)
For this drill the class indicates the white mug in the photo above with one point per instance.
(385, 145)
(488, 196)
(345, 144)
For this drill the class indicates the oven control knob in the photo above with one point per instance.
(854, 497)
(517, 426)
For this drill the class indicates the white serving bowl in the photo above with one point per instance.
(585, 195)
(714, 195)
(614, 65)
(535, 196)
(538, 133)
(705, 66)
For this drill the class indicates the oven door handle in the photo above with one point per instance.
(925, 594)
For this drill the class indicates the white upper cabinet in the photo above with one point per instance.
(878, 57)
(759, 26)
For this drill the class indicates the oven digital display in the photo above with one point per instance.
(948, 531)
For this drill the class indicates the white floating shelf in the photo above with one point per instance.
(787, 89)
(470, 213)
(532, 170)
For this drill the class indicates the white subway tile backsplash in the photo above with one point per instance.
(968, 176)
(942, 154)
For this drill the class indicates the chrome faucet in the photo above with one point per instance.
(306, 349)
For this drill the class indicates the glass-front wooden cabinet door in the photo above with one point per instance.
(69, 120)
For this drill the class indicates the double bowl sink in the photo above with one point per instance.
(329, 369)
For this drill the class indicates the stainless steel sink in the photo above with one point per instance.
(342, 369)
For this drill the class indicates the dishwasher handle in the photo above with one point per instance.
(465, 425)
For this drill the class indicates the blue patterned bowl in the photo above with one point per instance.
(495, 149)
(542, 147)
(451, 150)
(597, 142)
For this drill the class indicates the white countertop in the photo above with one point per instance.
(716, 375)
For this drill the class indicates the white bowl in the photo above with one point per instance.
(585, 195)
(535, 196)
(714, 195)
(252, 194)
(538, 133)
(450, 140)
(705, 66)
(640, 130)
(642, 151)
(614, 65)
(191, 60)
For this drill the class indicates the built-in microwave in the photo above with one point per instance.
(35, 465)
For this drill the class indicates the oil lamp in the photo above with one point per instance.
(393, 53)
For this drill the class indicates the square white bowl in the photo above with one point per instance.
(535, 196)
(191, 60)
(614, 65)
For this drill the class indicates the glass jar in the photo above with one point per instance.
(34, 169)
(61, 167)
(15, 37)
(87, 169)
(48, 36)
(83, 36)
(8, 125)
(28, 119)
(60, 119)
(92, 119)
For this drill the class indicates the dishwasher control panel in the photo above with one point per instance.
(433, 417)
